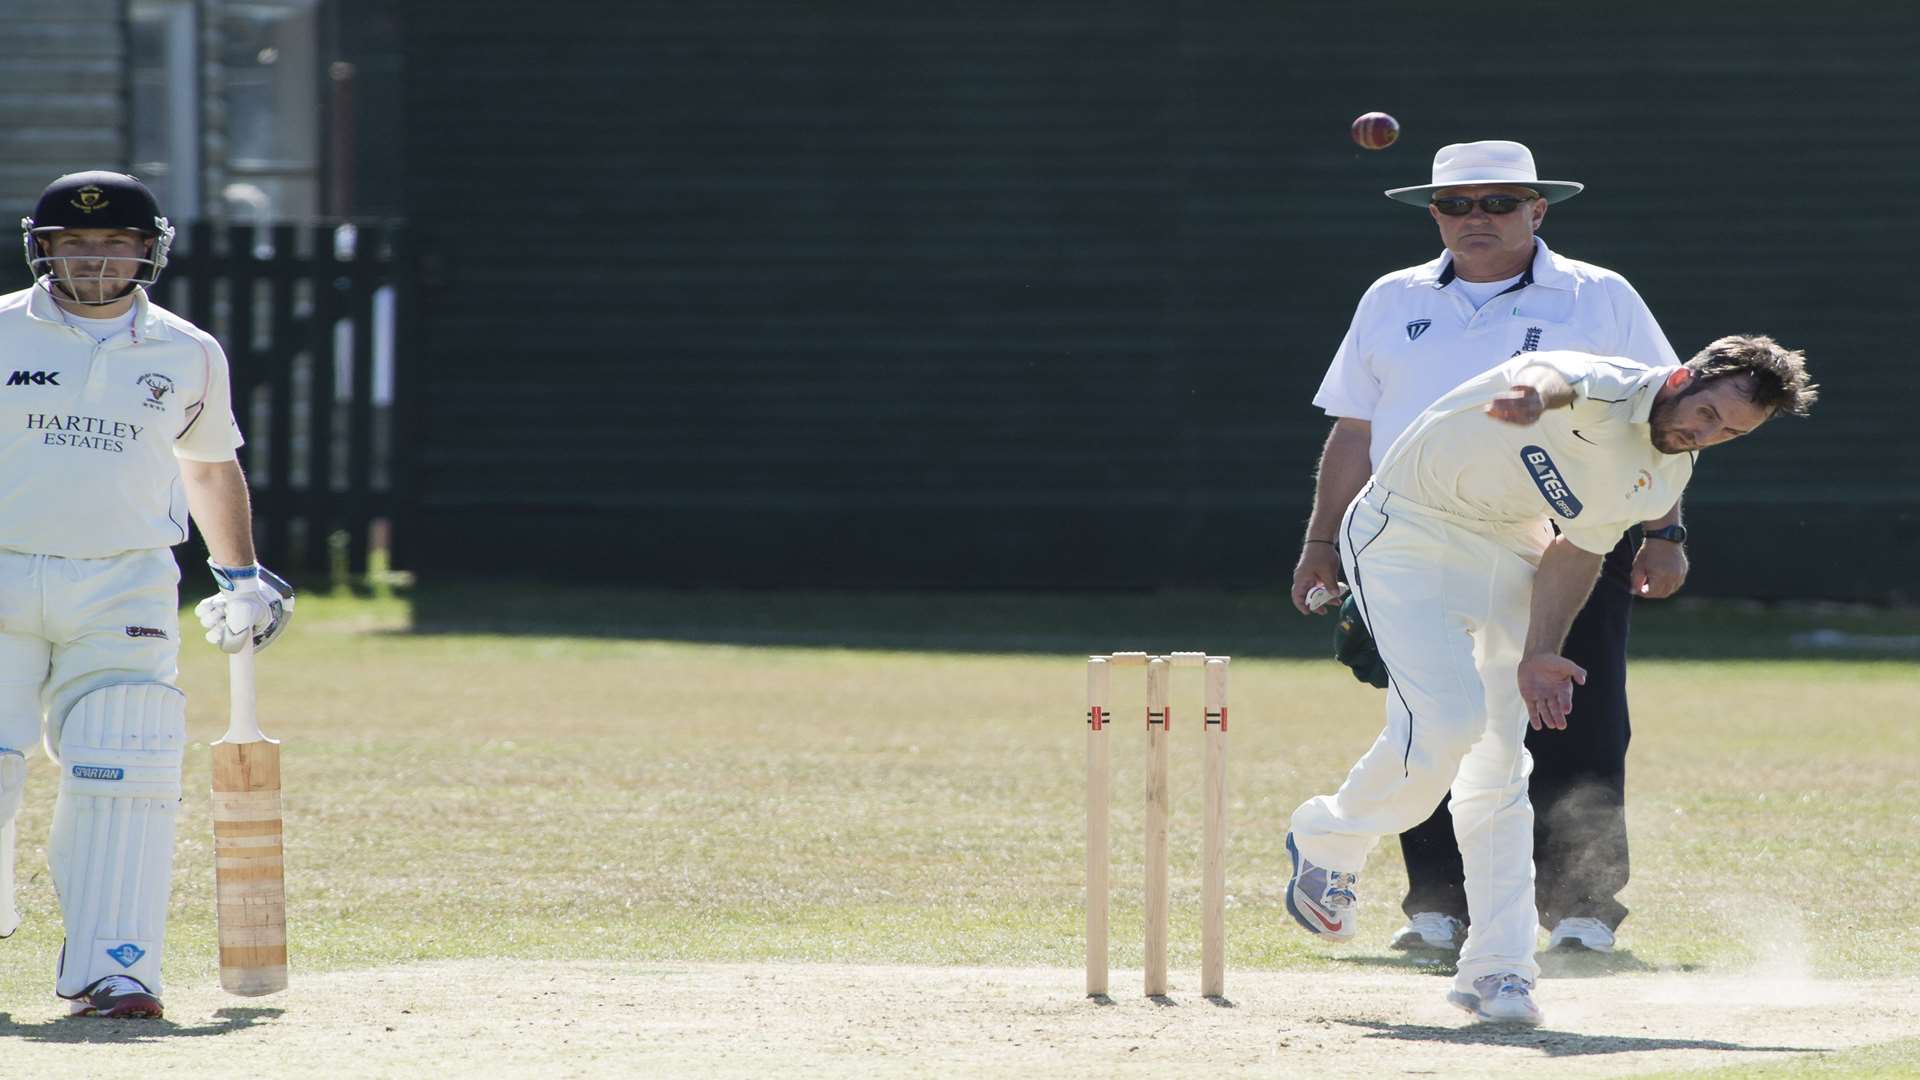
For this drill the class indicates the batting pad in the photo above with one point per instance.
(112, 847)
(13, 784)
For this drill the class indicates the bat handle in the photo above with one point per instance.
(243, 724)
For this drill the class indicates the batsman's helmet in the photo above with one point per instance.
(97, 200)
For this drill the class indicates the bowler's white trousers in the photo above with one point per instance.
(1448, 602)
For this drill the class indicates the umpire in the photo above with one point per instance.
(1495, 292)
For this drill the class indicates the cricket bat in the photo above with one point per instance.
(249, 883)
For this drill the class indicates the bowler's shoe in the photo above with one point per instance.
(1506, 998)
(1321, 899)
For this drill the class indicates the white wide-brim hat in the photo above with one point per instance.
(1492, 161)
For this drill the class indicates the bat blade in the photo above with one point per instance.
(249, 876)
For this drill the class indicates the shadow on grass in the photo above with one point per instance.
(90, 1029)
(1563, 964)
(1559, 1044)
(1255, 624)
(1411, 963)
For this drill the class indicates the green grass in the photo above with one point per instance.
(1882, 1062)
(826, 777)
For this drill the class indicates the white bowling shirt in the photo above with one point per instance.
(1591, 469)
(90, 431)
(1415, 336)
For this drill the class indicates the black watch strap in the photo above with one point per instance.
(1675, 533)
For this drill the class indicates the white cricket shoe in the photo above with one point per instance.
(1581, 934)
(1506, 998)
(1429, 931)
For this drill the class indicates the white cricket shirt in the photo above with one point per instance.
(1416, 335)
(1591, 469)
(90, 430)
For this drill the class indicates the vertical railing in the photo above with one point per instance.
(294, 308)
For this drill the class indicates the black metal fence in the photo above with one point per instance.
(310, 317)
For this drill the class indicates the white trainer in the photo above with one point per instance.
(1429, 931)
(1579, 933)
(1506, 998)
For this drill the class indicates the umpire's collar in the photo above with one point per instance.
(1544, 270)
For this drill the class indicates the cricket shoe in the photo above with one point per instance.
(1429, 931)
(1321, 899)
(116, 997)
(1581, 934)
(1506, 998)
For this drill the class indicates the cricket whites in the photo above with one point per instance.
(249, 883)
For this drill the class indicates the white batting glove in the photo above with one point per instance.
(252, 602)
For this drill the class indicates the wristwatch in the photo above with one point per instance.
(1674, 533)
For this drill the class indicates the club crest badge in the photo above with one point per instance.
(89, 199)
(1417, 327)
(158, 386)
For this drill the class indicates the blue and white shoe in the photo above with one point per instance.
(1321, 899)
(1506, 998)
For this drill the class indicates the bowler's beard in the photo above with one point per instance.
(1665, 438)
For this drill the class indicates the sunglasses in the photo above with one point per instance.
(1457, 205)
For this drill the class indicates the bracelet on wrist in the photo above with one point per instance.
(1329, 543)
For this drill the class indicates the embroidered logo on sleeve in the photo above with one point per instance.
(1546, 477)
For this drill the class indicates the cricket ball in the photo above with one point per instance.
(1375, 130)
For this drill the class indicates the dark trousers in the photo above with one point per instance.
(1578, 786)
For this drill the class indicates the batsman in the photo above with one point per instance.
(115, 424)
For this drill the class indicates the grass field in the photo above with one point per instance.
(484, 784)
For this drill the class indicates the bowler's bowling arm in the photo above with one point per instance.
(1560, 587)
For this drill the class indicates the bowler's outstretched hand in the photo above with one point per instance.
(1546, 685)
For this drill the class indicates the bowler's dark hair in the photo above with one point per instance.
(1776, 375)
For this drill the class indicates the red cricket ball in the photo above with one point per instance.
(1375, 130)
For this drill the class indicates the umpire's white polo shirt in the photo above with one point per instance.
(90, 430)
(1415, 336)
(1592, 469)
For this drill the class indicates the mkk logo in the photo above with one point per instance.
(35, 378)
(1546, 477)
(1417, 327)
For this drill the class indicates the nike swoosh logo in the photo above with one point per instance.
(1583, 438)
(1332, 927)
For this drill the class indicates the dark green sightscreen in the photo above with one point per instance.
(1036, 294)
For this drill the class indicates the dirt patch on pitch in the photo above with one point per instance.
(477, 1019)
